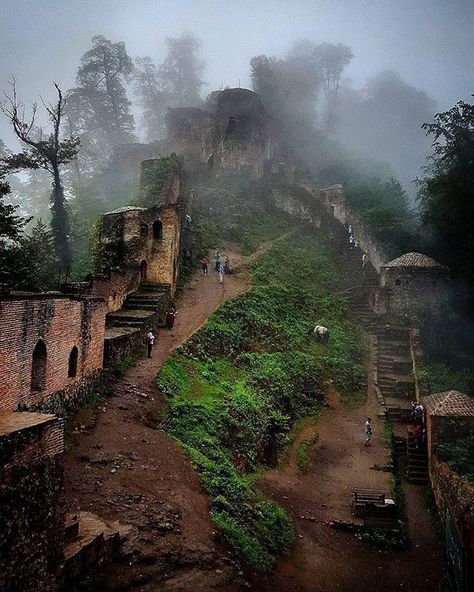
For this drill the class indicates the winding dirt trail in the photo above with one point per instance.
(120, 467)
(326, 560)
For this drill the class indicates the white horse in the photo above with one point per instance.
(321, 333)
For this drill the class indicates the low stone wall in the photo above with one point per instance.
(455, 495)
(417, 358)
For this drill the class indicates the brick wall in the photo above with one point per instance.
(32, 513)
(61, 323)
(163, 267)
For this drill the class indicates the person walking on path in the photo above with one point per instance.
(221, 273)
(368, 432)
(217, 259)
(150, 340)
(170, 317)
(205, 265)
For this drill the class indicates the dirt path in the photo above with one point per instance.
(326, 560)
(119, 466)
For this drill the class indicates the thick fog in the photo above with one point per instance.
(428, 43)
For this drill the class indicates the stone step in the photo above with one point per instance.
(155, 287)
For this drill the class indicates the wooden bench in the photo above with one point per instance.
(362, 499)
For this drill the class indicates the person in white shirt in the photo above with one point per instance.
(150, 339)
(368, 432)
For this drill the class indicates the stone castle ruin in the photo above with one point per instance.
(54, 348)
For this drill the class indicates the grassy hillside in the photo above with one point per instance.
(235, 389)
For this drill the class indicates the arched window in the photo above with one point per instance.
(72, 366)
(398, 282)
(38, 367)
(158, 230)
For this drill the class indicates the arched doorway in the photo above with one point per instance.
(38, 367)
(143, 271)
(72, 366)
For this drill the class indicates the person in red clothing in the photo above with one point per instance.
(170, 317)
(205, 265)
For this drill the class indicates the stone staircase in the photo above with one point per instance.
(141, 306)
(417, 461)
(394, 365)
(126, 328)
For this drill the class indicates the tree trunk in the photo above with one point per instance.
(60, 222)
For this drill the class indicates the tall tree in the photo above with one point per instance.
(447, 191)
(153, 99)
(332, 59)
(99, 110)
(181, 71)
(48, 154)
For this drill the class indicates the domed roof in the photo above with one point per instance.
(417, 260)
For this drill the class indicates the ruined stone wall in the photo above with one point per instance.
(59, 324)
(115, 286)
(455, 495)
(412, 291)
(164, 268)
(32, 513)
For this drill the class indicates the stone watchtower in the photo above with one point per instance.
(412, 283)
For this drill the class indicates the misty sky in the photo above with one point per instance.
(430, 42)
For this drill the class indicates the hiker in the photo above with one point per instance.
(351, 241)
(221, 273)
(349, 229)
(217, 259)
(227, 265)
(170, 317)
(205, 265)
(418, 435)
(150, 340)
(365, 260)
(321, 333)
(368, 432)
(419, 410)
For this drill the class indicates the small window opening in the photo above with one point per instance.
(210, 162)
(158, 230)
(38, 367)
(143, 230)
(230, 125)
(398, 282)
(72, 367)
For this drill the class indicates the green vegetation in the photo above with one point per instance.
(237, 386)
(267, 228)
(302, 458)
(156, 177)
(459, 455)
(384, 208)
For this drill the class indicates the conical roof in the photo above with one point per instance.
(415, 260)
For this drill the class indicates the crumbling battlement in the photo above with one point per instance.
(234, 134)
(49, 343)
(137, 245)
